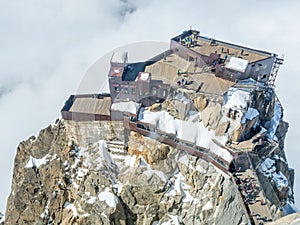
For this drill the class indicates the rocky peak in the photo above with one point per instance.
(208, 148)
(68, 174)
(99, 183)
(96, 172)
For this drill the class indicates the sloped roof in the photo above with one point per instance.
(92, 105)
(211, 84)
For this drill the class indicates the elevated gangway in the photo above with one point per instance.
(163, 137)
(257, 212)
(254, 197)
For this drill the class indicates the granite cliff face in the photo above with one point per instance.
(59, 178)
(99, 172)
(79, 173)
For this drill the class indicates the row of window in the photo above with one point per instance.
(125, 90)
(132, 90)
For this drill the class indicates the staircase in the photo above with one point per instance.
(277, 63)
(117, 150)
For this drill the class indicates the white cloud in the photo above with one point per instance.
(47, 46)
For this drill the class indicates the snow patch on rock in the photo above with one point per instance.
(275, 120)
(81, 173)
(279, 158)
(118, 187)
(130, 160)
(267, 167)
(179, 187)
(174, 220)
(75, 185)
(280, 180)
(207, 206)
(92, 200)
(269, 170)
(193, 132)
(250, 114)
(109, 198)
(36, 163)
(237, 98)
(70, 206)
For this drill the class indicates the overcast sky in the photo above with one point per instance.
(47, 46)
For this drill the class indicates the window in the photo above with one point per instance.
(117, 89)
(133, 90)
(125, 90)
(154, 90)
(165, 93)
(191, 59)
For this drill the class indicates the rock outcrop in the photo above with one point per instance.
(98, 172)
(198, 139)
(57, 181)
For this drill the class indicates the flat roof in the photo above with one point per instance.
(206, 46)
(90, 105)
(167, 71)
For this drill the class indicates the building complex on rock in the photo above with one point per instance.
(210, 98)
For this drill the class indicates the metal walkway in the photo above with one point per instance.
(246, 179)
(252, 192)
